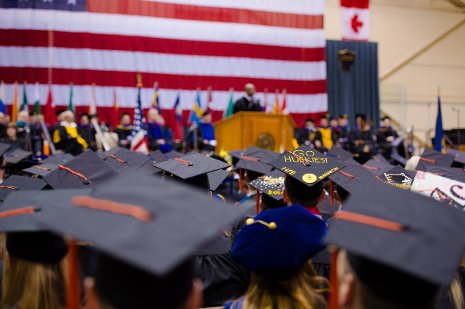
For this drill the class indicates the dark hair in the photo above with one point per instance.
(361, 116)
(251, 175)
(123, 286)
(301, 194)
(83, 114)
(270, 203)
(382, 286)
(310, 120)
(342, 193)
(385, 117)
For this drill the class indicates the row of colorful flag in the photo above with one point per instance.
(279, 105)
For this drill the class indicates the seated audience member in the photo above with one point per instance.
(12, 137)
(66, 136)
(23, 130)
(160, 137)
(361, 138)
(326, 133)
(207, 139)
(124, 130)
(385, 136)
(282, 276)
(86, 131)
(247, 103)
(36, 135)
(3, 124)
(310, 136)
(342, 136)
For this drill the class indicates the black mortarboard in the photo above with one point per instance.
(216, 178)
(123, 160)
(4, 148)
(431, 157)
(306, 165)
(380, 158)
(157, 156)
(191, 165)
(27, 238)
(459, 156)
(41, 169)
(377, 167)
(58, 159)
(173, 154)
(339, 154)
(398, 177)
(271, 184)
(263, 155)
(253, 164)
(85, 170)
(454, 173)
(236, 154)
(401, 230)
(352, 177)
(122, 216)
(14, 156)
(16, 183)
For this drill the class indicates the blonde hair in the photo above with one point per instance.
(31, 285)
(302, 291)
(456, 293)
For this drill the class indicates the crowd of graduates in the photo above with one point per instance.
(333, 223)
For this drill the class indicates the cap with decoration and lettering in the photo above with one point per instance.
(401, 245)
(271, 184)
(84, 171)
(307, 165)
(398, 177)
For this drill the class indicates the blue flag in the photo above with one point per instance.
(196, 111)
(439, 130)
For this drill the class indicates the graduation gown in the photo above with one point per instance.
(244, 105)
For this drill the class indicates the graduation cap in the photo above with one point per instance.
(20, 183)
(352, 177)
(448, 172)
(377, 167)
(431, 157)
(157, 156)
(27, 238)
(307, 165)
(398, 177)
(121, 218)
(271, 184)
(397, 237)
(263, 245)
(191, 165)
(380, 158)
(85, 170)
(4, 148)
(123, 160)
(339, 154)
(14, 156)
(263, 155)
(216, 178)
(58, 159)
(459, 156)
(41, 169)
(173, 154)
(253, 164)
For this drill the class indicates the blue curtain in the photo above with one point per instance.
(355, 91)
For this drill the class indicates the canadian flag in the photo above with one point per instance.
(355, 20)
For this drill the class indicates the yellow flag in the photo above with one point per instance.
(14, 108)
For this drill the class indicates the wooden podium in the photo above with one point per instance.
(269, 131)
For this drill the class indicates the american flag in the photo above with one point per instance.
(139, 141)
(182, 44)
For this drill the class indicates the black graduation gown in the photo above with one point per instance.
(244, 105)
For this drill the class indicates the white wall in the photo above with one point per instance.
(420, 28)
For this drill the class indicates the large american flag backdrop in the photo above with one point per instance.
(181, 44)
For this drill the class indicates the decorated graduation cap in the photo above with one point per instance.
(271, 184)
(339, 154)
(27, 238)
(306, 165)
(398, 177)
(121, 218)
(58, 159)
(263, 245)
(41, 169)
(454, 173)
(401, 245)
(84, 171)
(16, 183)
(377, 167)
(431, 157)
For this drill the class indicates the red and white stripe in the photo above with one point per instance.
(355, 17)
(182, 44)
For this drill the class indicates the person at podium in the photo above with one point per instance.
(247, 103)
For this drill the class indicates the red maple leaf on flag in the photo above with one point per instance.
(355, 23)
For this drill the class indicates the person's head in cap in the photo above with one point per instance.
(296, 192)
(396, 249)
(276, 247)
